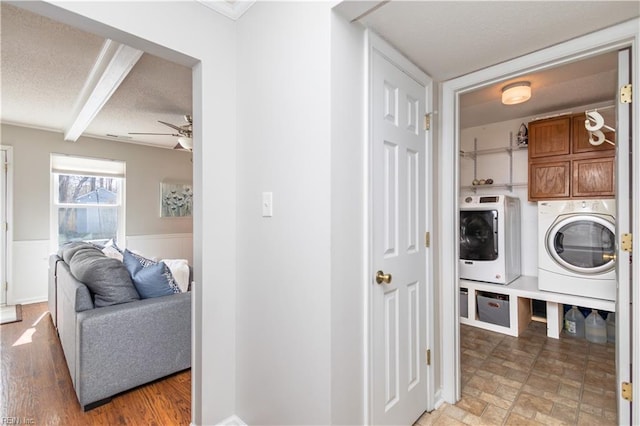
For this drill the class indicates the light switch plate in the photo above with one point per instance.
(267, 204)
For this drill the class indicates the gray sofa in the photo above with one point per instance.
(115, 348)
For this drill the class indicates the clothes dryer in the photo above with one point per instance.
(576, 247)
(490, 238)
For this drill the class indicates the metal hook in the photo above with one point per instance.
(599, 138)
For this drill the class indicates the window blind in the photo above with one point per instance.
(86, 166)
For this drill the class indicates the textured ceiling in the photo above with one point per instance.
(448, 39)
(587, 82)
(45, 65)
(40, 80)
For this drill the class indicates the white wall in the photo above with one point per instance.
(348, 189)
(208, 46)
(284, 263)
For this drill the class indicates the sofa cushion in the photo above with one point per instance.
(107, 278)
(151, 278)
(67, 251)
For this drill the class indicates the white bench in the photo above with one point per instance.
(520, 293)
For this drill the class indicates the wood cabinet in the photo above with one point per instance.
(580, 138)
(563, 164)
(593, 177)
(550, 137)
(549, 180)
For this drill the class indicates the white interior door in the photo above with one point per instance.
(3, 227)
(398, 306)
(625, 213)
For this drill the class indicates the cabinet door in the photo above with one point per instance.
(549, 180)
(550, 137)
(580, 137)
(594, 177)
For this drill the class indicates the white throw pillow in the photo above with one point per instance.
(111, 251)
(180, 270)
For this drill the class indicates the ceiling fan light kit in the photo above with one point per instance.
(185, 142)
(516, 93)
(184, 133)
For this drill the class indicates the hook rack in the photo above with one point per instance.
(594, 124)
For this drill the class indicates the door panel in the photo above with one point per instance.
(398, 308)
(390, 202)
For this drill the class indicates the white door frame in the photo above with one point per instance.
(373, 41)
(9, 218)
(611, 39)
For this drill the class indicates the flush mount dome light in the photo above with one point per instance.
(516, 93)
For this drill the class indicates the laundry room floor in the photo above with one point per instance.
(531, 380)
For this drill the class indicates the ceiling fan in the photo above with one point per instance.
(184, 133)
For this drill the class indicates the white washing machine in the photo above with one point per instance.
(490, 238)
(576, 245)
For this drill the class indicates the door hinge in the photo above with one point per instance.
(627, 242)
(427, 121)
(427, 239)
(627, 393)
(626, 93)
(428, 356)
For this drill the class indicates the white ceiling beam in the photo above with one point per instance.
(113, 64)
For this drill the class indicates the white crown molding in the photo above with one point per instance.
(230, 8)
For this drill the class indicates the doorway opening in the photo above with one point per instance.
(607, 41)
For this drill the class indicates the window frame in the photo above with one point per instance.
(55, 205)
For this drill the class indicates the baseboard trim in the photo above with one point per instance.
(232, 421)
(438, 400)
(29, 301)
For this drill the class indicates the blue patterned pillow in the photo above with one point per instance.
(151, 279)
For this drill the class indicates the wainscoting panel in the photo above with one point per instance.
(30, 265)
(29, 273)
(163, 246)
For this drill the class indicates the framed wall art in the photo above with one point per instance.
(176, 199)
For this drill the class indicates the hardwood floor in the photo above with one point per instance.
(36, 387)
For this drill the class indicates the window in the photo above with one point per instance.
(88, 200)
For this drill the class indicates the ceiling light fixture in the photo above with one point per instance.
(185, 142)
(516, 93)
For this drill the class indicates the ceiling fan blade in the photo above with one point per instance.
(158, 134)
(173, 126)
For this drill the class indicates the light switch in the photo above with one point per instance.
(267, 204)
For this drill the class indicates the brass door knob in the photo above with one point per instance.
(607, 256)
(381, 277)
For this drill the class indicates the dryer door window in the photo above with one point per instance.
(479, 235)
(583, 244)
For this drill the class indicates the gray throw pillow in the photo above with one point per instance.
(107, 278)
(67, 251)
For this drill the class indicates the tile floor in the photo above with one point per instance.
(531, 380)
